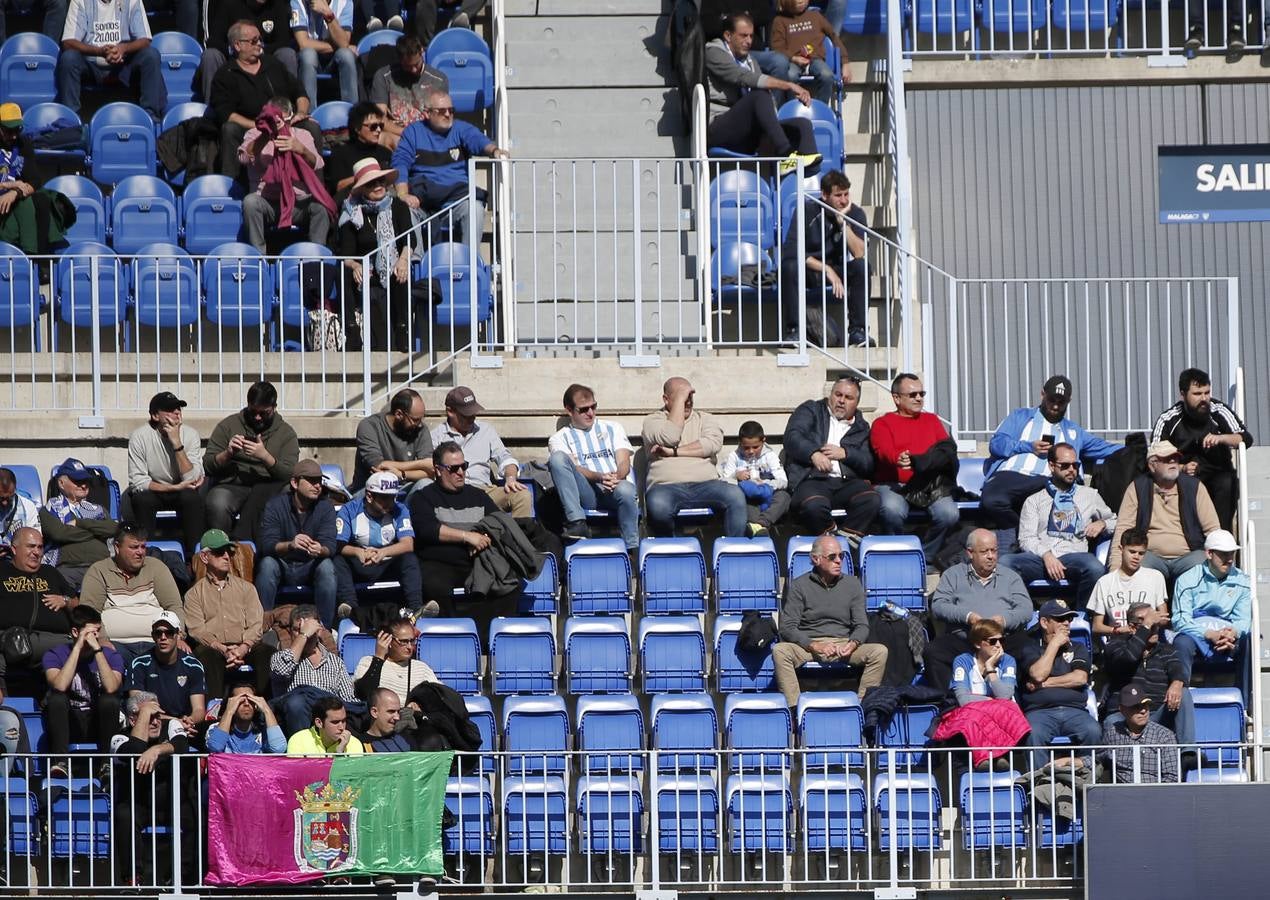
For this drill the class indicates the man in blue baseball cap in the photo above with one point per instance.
(75, 528)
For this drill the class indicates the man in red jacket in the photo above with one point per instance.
(899, 441)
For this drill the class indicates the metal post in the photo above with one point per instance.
(638, 360)
(898, 114)
(1164, 59)
(474, 229)
(368, 266)
(953, 378)
(96, 420)
(800, 356)
(178, 889)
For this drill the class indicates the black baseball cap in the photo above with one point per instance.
(1132, 695)
(166, 401)
(1059, 387)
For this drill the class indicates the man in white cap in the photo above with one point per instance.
(484, 450)
(1173, 509)
(1212, 610)
(171, 674)
(376, 543)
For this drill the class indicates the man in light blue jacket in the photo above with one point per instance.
(1212, 610)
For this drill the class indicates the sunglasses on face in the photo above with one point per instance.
(583, 410)
(1168, 459)
(373, 126)
(455, 468)
(995, 640)
(162, 633)
(442, 110)
(1064, 465)
(913, 395)
(832, 557)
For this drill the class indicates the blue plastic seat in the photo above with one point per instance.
(1077, 19)
(742, 209)
(179, 112)
(918, 807)
(1012, 16)
(76, 280)
(685, 732)
(893, 573)
(121, 143)
(29, 484)
(948, 17)
(332, 115)
(164, 285)
(760, 809)
(672, 654)
(535, 735)
(788, 195)
(970, 478)
(752, 673)
(610, 814)
(22, 827)
(672, 576)
(993, 811)
(27, 64)
(212, 213)
(798, 556)
(757, 729)
(865, 17)
(535, 814)
(451, 265)
(687, 814)
(466, 60)
(384, 37)
(167, 546)
(1219, 726)
(522, 656)
(452, 649)
(907, 730)
(597, 655)
(238, 287)
(599, 577)
(355, 646)
(828, 722)
(180, 54)
(481, 713)
(610, 735)
(835, 812)
(142, 211)
(20, 302)
(40, 116)
(825, 125)
(80, 824)
(309, 275)
(746, 575)
(91, 207)
(729, 276)
(470, 800)
(542, 594)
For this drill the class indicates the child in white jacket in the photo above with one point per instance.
(756, 469)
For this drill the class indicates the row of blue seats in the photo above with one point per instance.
(1002, 16)
(28, 62)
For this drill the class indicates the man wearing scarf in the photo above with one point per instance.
(1056, 526)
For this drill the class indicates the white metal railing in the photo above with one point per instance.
(845, 816)
(1158, 30)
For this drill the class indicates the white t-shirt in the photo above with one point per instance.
(1114, 594)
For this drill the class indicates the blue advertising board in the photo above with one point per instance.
(1214, 183)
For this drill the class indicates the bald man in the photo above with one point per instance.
(682, 444)
(824, 620)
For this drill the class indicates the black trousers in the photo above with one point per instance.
(857, 289)
(64, 723)
(224, 501)
(815, 498)
(214, 668)
(400, 313)
(439, 582)
(1223, 488)
(751, 126)
(190, 512)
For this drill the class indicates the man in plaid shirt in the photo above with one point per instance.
(306, 671)
(1146, 751)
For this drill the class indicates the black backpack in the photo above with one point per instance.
(757, 634)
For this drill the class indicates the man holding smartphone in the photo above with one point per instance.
(1018, 456)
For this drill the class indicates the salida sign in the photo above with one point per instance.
(1214, 183)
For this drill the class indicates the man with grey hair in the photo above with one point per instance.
(968, 592)
(823, 620)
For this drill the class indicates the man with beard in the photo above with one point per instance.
(395, 441)
(297, 542)
(1207, 432)
(250, 455)
(1018, 452)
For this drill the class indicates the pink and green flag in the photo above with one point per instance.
(284, 821)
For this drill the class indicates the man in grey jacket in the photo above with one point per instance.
(968, 592)
(743, 105)
(396, 441)
(823, 620)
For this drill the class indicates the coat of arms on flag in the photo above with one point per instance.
(326, 827)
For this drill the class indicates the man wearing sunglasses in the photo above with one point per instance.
(431, 162)
(1018, 450)
(297, 542)
(1056, 527)
(823, 620)
(1173, 509)
(171, 674)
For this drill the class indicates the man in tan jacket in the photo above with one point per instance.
(682, 443)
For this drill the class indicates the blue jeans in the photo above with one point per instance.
(350, 571)
(1171, 568)
(1060, 721)
(13, 738)
(294, 709)
(1083, 571)
(822, 76)
(771, 63)
(578, 495)
(1188, 650)
(142, 70)
(944, 517)
(272, 573)
(1181, 722)
(663, 501)
(343, 60)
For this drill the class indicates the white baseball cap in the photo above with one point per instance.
(383, 483)
(1221, 540)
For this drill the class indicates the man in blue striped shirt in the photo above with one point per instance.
(590, 467)
(376, 542)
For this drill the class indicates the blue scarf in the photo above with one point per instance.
(1065, 520)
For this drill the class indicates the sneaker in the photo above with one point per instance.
(1194, 40)
(576, 531)
(373, 24)
(790, 163)
(343, 611)
(1001, 764)
(427, 884)
(1235, 40)
(396, 24)
(57, 772)
(430, 610)
(756, 530)
(860, 339)
(385, 881)
(461, 21)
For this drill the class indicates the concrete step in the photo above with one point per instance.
(564, 52)
(583, 122)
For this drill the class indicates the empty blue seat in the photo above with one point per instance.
(177, 113)
(917, 805)
(597, 655)
(610, 814)
(672, 654)
(728, 271)
(309, 275)
(742, 209)
(27, 64)
(450, 264)
(383, 37)
(19, 299)
(1219, 726)
(828, 722)
(541, 595)
(970, 478)
(950, 17)
(610, 734)
(687, 814)
(354, 646)
(21, 815)
(907, 730)
(893, 573)
(76, 280)
(121, 142)
(798, 556)
(599, 577)
(746, 575)
(993, 811)
(1079, 19)
(825, 124)
(481, 713)
(737, 185)
(535, 814)
(41, 116)
(180, 54)
(452, 649)
(735, 673)
(685, 732)
(142, 211)
(535, 735)
(672, 575)
(80, 824)
(522, 656)
(470, 801)
(465, 59)
(759, 811)
(164, 286)
(835, 812)
(865, 17)
(757, 729)
(238, 287)
(212, 213)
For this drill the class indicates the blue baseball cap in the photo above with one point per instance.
(74, 470)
